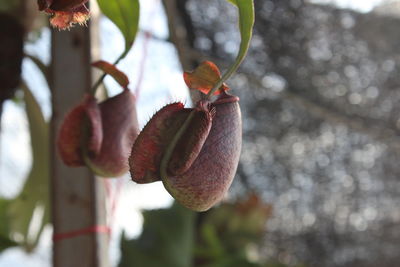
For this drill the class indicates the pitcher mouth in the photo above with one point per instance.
(226, 98)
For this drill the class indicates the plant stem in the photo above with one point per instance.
(226, 76)
(101, 79)
(171, 146)
(246, 22)
(41, 66)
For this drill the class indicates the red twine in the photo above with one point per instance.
(85, 231)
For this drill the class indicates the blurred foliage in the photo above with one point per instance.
(6, 5)
(5, 241)
(20, 223)
(229, 235)
(17, 215)
(26, 12)
(167, 239)
(23, 218)
(11, 55)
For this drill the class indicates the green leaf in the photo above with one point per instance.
(167, 240)
(33, 200)
(4, 229)
(41, 66)
(5, 241)
(246, 22)
(7, 5)
(125, 15)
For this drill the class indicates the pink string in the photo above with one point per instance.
(113, 196)
(85, 231)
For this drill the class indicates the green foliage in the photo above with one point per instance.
(35, 193)
(5, 241)
(227, 232)
(221, 237)
(167, 240)
(246, 22)
(125, 15)
(7, 5)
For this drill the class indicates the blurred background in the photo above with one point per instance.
(317, 183)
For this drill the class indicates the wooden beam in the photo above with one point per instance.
(77, 196)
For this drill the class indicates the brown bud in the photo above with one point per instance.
(66, 5)
(65, 13)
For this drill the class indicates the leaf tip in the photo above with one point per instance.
(112, 70)
(204, 78)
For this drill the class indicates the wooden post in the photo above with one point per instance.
(77, 196)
